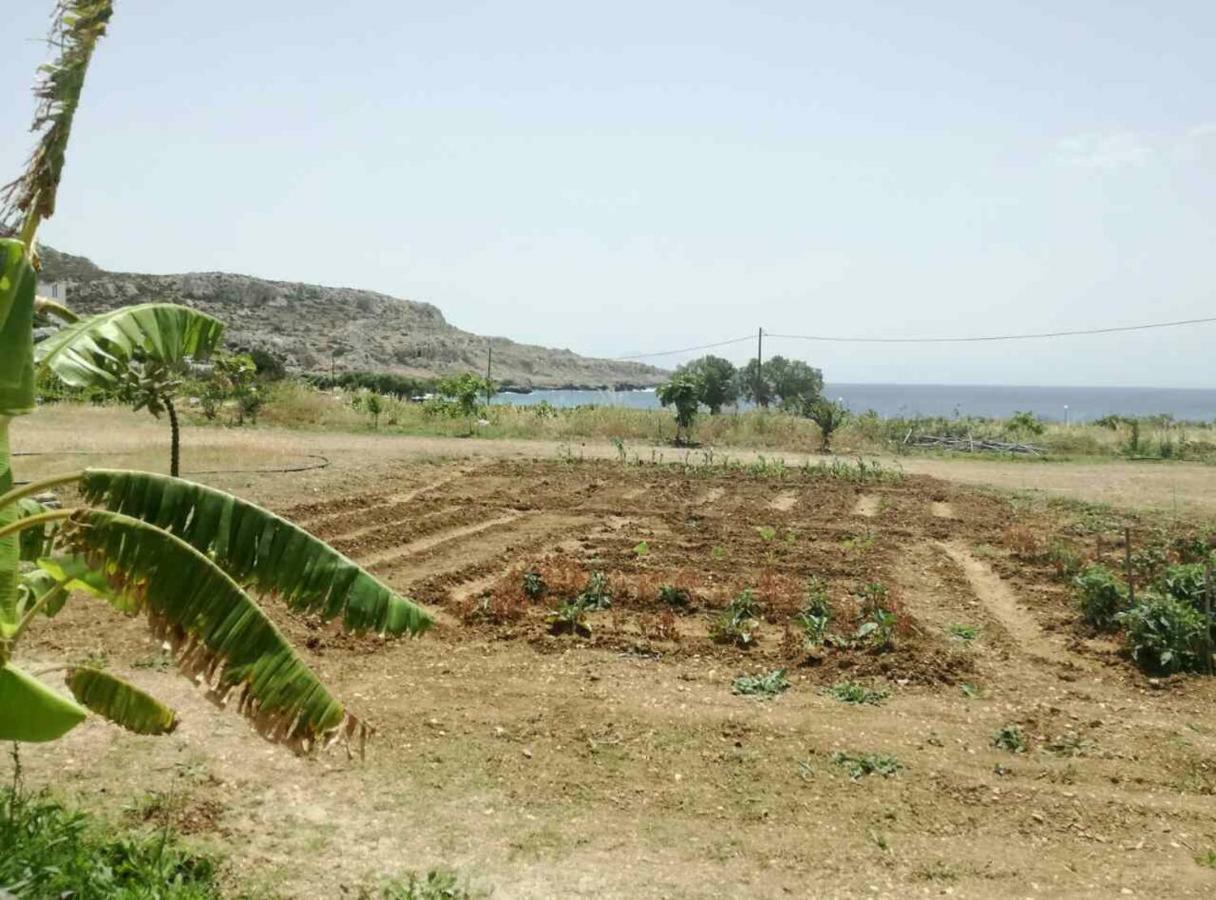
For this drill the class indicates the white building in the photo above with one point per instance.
(54, 290)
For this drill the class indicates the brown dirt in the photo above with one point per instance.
(621, 764)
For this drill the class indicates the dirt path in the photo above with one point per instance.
(1001, 601)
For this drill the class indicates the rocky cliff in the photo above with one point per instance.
(311, 327)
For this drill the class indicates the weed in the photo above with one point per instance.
(970, 691)
(964, 632)
(769, 685)
(718, 553)
(676, 597)
(437, 885)
(736, 624)
(1010, 738)
(766, 532)
(1207, 860)
(1022, 542)
(52, 851)
(1064, 557)
(641, 549)
(533, 585)
(873, 596)
(1067, 744)
(858, 765)
(858, 543)
(619, 444)
(852, 692)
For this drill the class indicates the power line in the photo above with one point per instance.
(685, 349)
(834, 339)
(993, 337)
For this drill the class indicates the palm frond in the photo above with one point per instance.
(98, 350)
(120, 702)
(75, 29)
(258, 549)
(218, 634)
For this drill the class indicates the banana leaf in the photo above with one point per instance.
(99, 349)
(120, 702)
(31, 711)
(218, 634)
(258, 549)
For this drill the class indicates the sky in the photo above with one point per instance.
(635, 177)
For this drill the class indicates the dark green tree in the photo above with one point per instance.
(792, 382)
(753, 386)
(716, 381)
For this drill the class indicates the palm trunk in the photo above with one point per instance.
(175, 439)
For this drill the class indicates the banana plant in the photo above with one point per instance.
(187, 557)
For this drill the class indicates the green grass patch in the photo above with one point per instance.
(49, 850)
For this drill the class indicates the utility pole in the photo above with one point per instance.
(760, 399)
(489, 363)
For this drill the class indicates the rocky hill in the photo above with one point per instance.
(311, 327)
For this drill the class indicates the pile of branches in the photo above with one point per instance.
(970, 444)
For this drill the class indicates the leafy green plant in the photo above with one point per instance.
(769, 685)
(1010, 738)
(1166, 635)
(185, 555)
(681, 392)
(964, 632)
(1101, 595)
(49, 850)
(641, 550)
(879, 629)
(1207, 860)
(857, 694)
(737, 623)
(816, 612)
(1186, 582)
(970, 691)
(596, 593)
(569, 617)
(534, 586)
(873, 596)
(718, 553)
(1024, 422)
(373, 405)
(859, 765)
(675, 597)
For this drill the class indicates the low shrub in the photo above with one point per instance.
(1101, 596)
(857, 694)
(1166, 635)
(737, 623)
(1010, 738)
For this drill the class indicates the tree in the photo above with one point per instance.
(138, 352)
(753, 385)
(374, 406)
(716, 381)
(793, 382)
(460, 397)
(186, 555)
(681, 392)
(829, 416)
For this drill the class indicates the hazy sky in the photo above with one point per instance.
(626, 177)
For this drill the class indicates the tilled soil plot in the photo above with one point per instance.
(569, 728)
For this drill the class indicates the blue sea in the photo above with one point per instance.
(1076, 404)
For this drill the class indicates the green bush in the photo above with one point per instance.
(47, 850)
(1165, 635)
(1185, 582)
(1101, 595)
